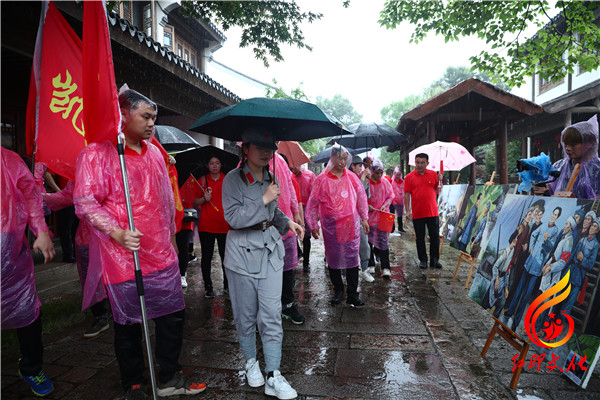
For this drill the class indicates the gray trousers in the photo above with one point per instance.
(257, 303)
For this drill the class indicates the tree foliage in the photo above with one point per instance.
(452, 76)
(341, 108)
(265, 24)
(563, 43)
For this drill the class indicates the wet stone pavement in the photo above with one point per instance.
(418, 337)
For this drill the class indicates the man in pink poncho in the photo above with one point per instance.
(21, 206)
(288, 204)
(99, 199)
(339, 201)
(380, 200)
(305, 179)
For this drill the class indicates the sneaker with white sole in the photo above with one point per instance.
(279, 387)
(100, 325)
(371, 270)
(180, 384)
(386, 273)
(254, 377)
(184, 283)
(367, 277)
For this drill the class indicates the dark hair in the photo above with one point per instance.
(571, 136)
(422, 155)
(130, 100)
(389, 171)
(478, 196)
(559, 211)
(285, 158)
(513, 236)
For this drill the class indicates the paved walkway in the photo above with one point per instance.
(418, 337)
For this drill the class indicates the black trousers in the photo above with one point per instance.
(306, 248)
(207, 241)
(287, 288)
(32, 349)
(67, 227)
(384, 257)
(351, 278)
(433, 227)
(99, 309)
(182, 238)
(128, 349)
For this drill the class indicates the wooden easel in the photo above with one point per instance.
(491, 181)
(466, 257)
(441, 244)
(567, 192)
(514, 340)
(456, 181)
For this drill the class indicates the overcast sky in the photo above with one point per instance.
(352, 55)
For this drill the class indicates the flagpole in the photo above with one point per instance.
(136, 259)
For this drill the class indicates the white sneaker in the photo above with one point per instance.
(254, 377)
(371, 270)
(366, 276)
(278, 386)
(184, 283)
(386, 273)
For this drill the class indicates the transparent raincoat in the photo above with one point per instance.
(381, 195)
(587, 185)
(340, 204)
(21, 206)
(288, 204)
(60, 200)
(99, 198)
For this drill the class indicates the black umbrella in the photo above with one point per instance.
(195, 161)
(326, 154)
(174, 139)
(371, 135)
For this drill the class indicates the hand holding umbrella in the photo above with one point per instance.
(207, 193)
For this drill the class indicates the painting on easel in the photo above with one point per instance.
(543, 255)
(449, 205)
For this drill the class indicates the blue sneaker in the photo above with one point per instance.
(40, 384)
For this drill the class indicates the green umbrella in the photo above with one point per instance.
(287, 119)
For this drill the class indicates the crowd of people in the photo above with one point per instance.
(262, 222)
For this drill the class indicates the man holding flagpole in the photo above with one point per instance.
(99, 198)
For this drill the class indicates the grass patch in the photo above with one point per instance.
(61, 314)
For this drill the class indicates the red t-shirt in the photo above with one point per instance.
(212, 220)
(297, 190)
(422, 189)
(389, 178)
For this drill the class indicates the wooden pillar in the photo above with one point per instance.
(431, 131)
(471, 149)
(502, 158)
(451, 177)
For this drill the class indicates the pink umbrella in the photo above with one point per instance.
(294, 152)
(447, 156)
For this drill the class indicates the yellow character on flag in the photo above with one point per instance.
(63, 102)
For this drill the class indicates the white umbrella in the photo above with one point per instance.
(454, 156)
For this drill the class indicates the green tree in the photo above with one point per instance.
(562, 43)
(341, 108)
(514, 153)
(265, 24)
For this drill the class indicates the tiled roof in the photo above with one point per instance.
(126, 26)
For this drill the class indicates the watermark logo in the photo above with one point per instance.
(553, 326)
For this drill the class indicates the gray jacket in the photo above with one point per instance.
(248, 251)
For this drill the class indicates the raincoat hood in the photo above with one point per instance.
(338, 151)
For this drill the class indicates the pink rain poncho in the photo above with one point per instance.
(21, 206)
(100, 199)
(306, 181)
(60, 200)
(288, 204)
(340, 204)
(381, 195)
(587, 185)
(398, 187)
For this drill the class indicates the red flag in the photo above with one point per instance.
(189, 191)
(102, 115)
(57, 70)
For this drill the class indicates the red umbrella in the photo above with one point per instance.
(294, 152)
